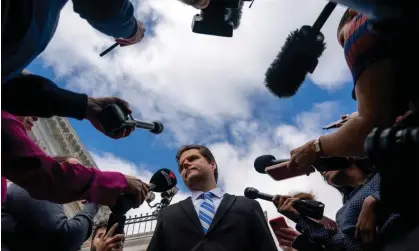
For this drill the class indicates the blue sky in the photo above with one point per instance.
(204, 89)
(142, 147)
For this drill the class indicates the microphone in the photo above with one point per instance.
(253, 193)
(298, 56)
(306, 208)
(262, 162)
(113, 119)
(322, 165)
(110, 48)
(161, 181)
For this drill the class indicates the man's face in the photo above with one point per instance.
(194, 168)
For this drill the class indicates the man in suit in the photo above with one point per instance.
(209, 220)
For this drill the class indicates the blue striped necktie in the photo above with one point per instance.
(206, 211)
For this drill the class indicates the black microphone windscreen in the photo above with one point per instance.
(262, 162)
(163, 180)
(236, 15)
(298, 56)
(251, 193)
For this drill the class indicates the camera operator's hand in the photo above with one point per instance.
(110, 242)
(95, 107)
(367, 222)
(285, 206)
(136, 38)
(137, 188)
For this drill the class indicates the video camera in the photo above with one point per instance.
(220, 18)
(394, 153)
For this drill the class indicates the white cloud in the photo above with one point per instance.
(194, 83)
(235, 162)
(178, 75)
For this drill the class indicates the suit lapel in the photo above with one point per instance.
(189, 209)
(225, 205)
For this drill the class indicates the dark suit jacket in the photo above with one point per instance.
(239, 225)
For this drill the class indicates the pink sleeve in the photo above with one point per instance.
(25, 164)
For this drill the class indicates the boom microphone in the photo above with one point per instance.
(308, 208)
(299, 56)
(113, 119)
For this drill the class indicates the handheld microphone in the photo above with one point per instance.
(161, 181)
(322, 165)
(113, 119)
(110, 48)
(306, 208)
(298, 56)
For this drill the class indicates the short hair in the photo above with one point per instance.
(345, 18)
(63, 158)
(100, 225)
(190, 2)
(304, 196)
(204, 151)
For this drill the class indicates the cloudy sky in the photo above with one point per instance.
(205, 89)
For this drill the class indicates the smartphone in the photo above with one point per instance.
(277, 223)
(282, 173)
(336, 124)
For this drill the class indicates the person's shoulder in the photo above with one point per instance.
(172, 208)
(244, 201)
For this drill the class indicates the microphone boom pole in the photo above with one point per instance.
(103, 53)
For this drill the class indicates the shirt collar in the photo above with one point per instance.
(216, 191)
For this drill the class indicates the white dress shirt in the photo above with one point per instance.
(197, 199)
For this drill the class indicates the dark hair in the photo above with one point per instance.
(366, 168)
(303, 196)
(100, 225)
(190, 2)
(204, 151)
(345, 18)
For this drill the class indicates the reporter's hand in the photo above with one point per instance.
(286, 236)
(367, 222)
(286, 208)
(137, 188)
(138, 36)
(28, 121)
(95, 107)
(108, 242)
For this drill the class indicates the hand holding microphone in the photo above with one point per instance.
(115, 120)
(135, 194)
(279, 169)
(293, 209)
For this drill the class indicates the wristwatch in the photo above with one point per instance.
(318, 147)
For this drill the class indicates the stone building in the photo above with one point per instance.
(57, 137)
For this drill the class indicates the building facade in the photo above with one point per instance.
(57, 137)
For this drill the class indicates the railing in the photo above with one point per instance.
(145, 223)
